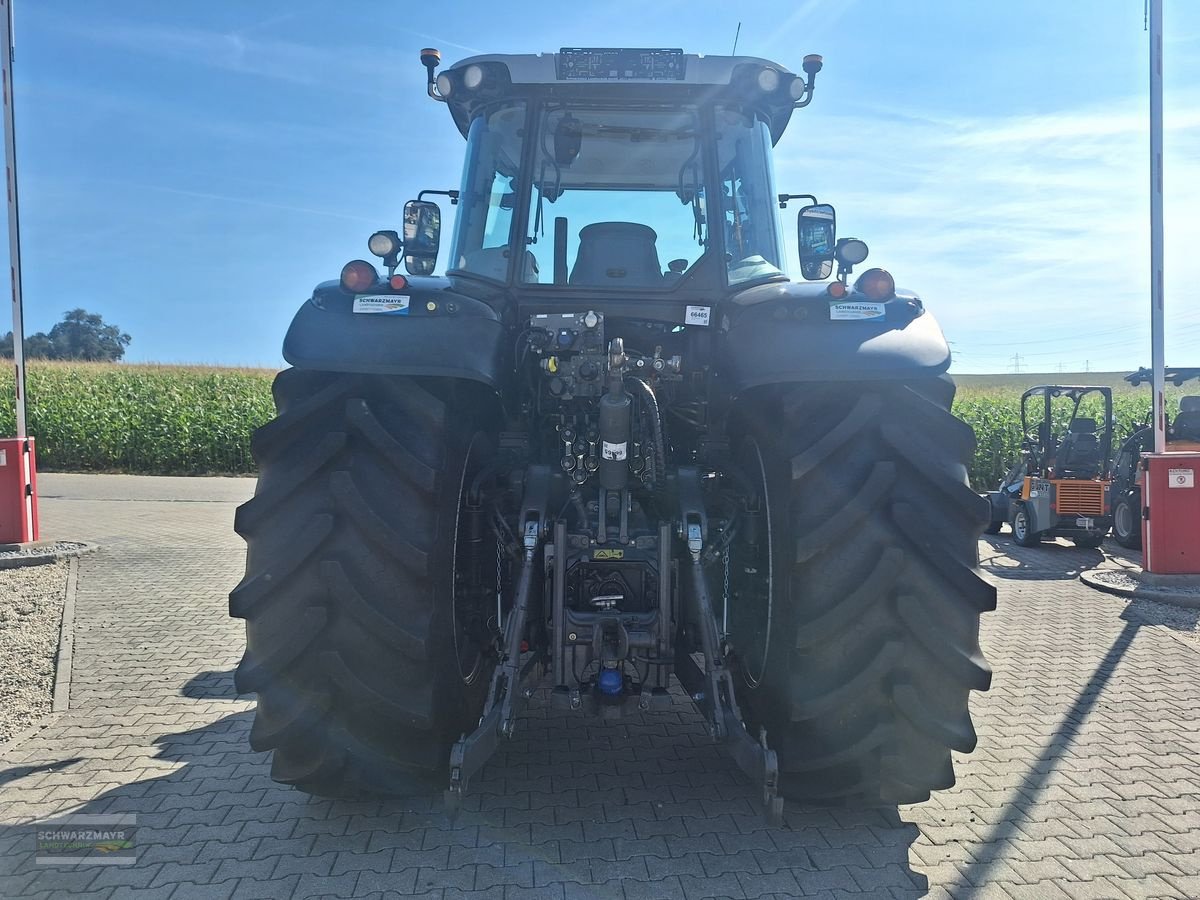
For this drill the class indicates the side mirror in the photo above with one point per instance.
(422, 236)
(817, 225)
(568, 139)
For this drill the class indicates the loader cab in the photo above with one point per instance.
(1067, 430)
(618, 171)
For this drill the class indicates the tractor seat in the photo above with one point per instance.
(1186, 426)
(1079, 455)
(617, 254)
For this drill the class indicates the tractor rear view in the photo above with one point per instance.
(616, 451)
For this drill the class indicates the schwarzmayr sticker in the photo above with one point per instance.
(857, 312)
(91, 840)
(385, 304)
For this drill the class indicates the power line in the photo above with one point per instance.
(1016, 362)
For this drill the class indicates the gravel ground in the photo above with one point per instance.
(1182, 620)
(31, 605)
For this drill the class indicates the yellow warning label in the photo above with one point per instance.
(608, 554)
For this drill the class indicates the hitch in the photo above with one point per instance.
(712, 690)
(472, 751)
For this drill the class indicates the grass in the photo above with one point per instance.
(197, 420)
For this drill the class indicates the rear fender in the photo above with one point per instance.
(785, 333)
(438, 333)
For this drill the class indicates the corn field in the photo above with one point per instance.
(193, 420)
(141, 419)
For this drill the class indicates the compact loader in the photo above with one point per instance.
(1060, 484)
(615, 451)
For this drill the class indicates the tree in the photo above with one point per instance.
(80, 335)
(83, 335)
(37, 346)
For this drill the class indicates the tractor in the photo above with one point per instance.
(1059, 485)
(612, 454)
(1183, 433)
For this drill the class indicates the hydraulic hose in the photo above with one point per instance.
(659, 438)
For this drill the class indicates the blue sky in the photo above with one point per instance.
(191, 169)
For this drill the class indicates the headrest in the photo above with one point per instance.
(1083, 426)
(617, 229)
(1189, 404)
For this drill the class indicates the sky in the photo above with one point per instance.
(190, 170)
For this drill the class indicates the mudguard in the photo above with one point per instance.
(784, 333)
(437, 333)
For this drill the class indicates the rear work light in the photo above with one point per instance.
(358, 275)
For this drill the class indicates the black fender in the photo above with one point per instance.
(783, 333)
(440, 333)
(999, 503)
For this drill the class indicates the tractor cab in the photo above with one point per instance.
(1060, 485)
(596, 173)
(619, 170)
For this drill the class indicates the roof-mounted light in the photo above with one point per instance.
(472, 77)
(768, 79)
(445, 85)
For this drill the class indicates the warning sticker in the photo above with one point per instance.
(1181, 478)
(385, 304)
(697, 315)
(857, 312)
(613, 451)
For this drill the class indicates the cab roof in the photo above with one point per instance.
(583, 75)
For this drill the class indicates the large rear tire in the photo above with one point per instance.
(365, 670)
(860, 658)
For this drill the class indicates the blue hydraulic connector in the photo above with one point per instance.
(611, 682)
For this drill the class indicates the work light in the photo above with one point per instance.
(384, 244)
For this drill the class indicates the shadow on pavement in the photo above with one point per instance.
(581, 805)
(215, 684)
(1050, 561)
(976, 874)
(16, 773)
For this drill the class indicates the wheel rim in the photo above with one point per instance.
(1123, 519)
(468, 584)
(1020, 525)
(751, 578)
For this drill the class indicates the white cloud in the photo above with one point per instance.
(1024, 234)
(240, 53)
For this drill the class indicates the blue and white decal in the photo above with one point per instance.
(857, 311)
(381, 304)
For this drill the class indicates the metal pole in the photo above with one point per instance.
(1156, 226)
(14, 236)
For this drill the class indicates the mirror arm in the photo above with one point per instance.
(453, 195)
(784, 198)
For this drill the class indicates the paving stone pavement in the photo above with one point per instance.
(1084, 784)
